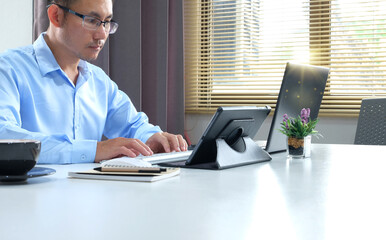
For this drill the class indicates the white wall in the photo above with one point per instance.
(16, 26)
(339, 130)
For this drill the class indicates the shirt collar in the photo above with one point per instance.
(46, 59)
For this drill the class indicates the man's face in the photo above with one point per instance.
(79, 41)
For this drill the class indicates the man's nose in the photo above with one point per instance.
(102, 32)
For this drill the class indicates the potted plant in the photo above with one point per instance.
(297, 131)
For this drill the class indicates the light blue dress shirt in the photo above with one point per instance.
(38, 101)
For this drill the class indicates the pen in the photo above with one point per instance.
(131, 169)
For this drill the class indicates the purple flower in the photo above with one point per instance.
(285, 118)
(304, 115)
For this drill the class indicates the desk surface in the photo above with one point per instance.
(339, 193)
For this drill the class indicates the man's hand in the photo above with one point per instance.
(166, 142)
(118, 147)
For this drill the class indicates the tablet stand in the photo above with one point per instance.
(228, 157)
(226, 142)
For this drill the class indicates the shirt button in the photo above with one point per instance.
(83, 157)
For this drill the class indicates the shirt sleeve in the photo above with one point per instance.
(57, 149)
(123, 120)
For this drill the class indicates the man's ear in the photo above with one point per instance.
(55, 15)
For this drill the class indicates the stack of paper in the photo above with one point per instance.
(137, 174)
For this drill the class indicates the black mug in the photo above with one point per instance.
(18, 156)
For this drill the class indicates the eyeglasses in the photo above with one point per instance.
(93, 23)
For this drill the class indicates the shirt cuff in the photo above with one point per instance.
(83, 151)
(147, 135)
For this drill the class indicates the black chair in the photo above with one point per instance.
(371, 128)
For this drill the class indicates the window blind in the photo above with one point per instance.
(236, 50)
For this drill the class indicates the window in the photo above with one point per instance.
(236, 50)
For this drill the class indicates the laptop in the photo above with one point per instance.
(302, 87)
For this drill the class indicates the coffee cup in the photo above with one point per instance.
(18, 156)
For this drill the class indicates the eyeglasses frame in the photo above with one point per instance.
(83, 16)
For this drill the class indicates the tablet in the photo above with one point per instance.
(231, 124)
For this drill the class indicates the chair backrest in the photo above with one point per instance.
(371, 128)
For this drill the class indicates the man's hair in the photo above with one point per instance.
(64, 3)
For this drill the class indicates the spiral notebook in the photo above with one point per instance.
(135, 174)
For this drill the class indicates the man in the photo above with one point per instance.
(49, 92)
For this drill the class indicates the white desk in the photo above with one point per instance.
(340, 193)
